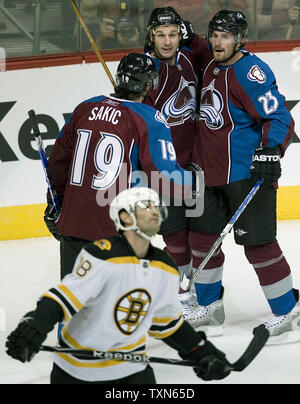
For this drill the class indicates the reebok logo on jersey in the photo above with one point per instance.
(256, 74)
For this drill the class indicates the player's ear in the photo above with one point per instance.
(125, 218)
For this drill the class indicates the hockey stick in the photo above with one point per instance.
(44, 160)
(92, 42)
(261, 335)
(225, 231)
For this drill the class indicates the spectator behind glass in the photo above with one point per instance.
(114, 23)
(195, 11)
(200, 12)
(276, 19)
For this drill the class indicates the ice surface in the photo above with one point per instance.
(30, 267)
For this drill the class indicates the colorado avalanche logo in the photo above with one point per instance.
(256, 74)
(160, 118)
(211, 107)
(181, 105)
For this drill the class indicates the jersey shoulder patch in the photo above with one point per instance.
(254, 70)
(103, 244)
(106, 249)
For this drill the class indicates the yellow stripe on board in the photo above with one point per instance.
(288, 203)
(25, 221)
(17, 222)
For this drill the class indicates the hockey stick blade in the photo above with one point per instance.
(261, 335)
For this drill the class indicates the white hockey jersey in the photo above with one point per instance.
(111, 301)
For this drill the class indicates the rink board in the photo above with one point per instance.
(22, 183)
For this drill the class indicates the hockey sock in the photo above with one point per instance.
(274, 276)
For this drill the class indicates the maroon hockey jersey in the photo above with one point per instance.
(176, 96)
(108, 145)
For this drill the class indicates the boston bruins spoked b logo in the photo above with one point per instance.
(131, 309)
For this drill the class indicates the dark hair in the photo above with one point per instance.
(136, 71)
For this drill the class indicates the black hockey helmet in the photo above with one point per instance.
(135, 71)
(163, 16)
(234, 22)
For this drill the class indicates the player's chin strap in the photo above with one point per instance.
(134, 227)
(142, 234)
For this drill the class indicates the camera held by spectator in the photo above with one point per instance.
(118, 26)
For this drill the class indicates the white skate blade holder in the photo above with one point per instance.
(289, 337)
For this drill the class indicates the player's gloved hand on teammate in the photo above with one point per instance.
(187, 33)
(25, 341)
(266, 164)
(50, 217)
(213, 364)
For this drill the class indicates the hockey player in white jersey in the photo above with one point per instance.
(121, 289)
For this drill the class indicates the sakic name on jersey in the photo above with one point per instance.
(108, 114)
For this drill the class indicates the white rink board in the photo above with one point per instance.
(54, 91)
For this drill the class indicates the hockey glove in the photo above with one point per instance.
(25, 341)
(266, 164)
(213, 364)
(50, 217)
(187, 33)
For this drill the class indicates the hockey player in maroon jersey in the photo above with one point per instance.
(99, 152)
(245, 128)
(176, 53)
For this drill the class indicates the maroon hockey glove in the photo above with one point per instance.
(266, 165)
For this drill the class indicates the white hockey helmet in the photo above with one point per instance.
(127, 200)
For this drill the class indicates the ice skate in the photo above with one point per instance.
(284, 329)
(188, 301)
(207, 318)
